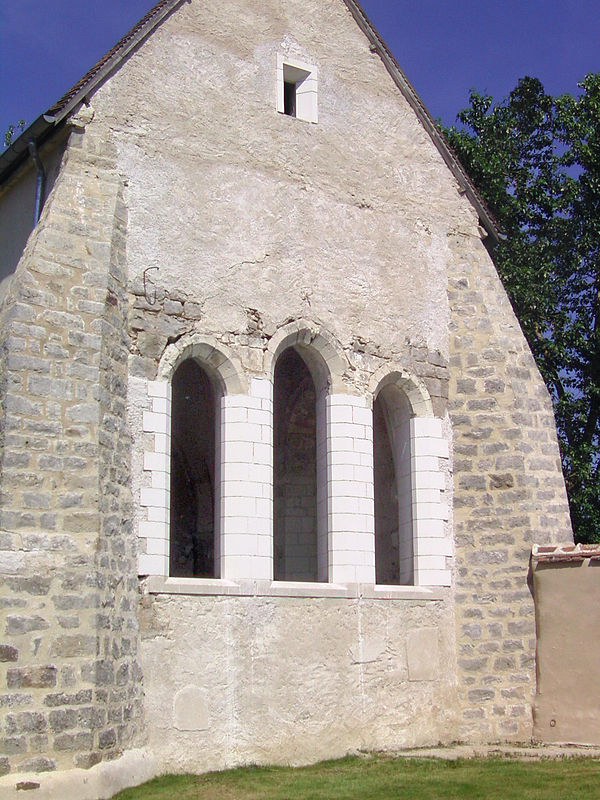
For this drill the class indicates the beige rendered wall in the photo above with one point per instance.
(17, 203)
(567, 610)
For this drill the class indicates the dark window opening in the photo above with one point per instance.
(393, 488)
(295, 471)
(289, 99)
(192, 532)
(387, 562)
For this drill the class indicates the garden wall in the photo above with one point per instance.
(566, 583)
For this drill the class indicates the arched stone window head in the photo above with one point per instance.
(181, 530)
(409, 451)
(300, 493)
(193, 541)
(394, 549)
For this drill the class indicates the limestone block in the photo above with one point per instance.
(422, 652)
(190, 709)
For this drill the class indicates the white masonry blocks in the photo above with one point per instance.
(350, 490)
(429, 512)
(153, 556)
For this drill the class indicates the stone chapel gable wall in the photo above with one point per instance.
(194, 220)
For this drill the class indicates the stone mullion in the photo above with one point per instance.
(350, 490)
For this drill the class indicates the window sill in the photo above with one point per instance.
(157, 584)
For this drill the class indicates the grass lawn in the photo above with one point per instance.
(383, 778)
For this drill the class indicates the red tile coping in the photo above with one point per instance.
(554, 554)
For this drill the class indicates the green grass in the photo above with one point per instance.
(381, 778)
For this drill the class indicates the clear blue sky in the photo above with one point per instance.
(444, 46)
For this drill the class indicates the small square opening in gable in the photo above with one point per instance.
(297, 89)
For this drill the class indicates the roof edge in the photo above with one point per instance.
(43, 127)
(415, 102)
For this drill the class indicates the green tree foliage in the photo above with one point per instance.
(12, 132)
(535, 159)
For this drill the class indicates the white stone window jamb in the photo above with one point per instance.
(243, 484)
(428, 447)
(155, 499)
